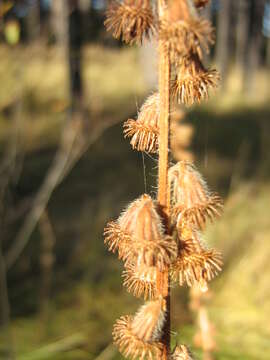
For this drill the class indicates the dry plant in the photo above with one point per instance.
(159, 240)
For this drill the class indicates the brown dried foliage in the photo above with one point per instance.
(131, 20)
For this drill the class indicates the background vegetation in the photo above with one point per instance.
(60, 294)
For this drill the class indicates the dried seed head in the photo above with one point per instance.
(148, 322)
(145, 130)
(193, 203)
(141, 281)
(130, 345)
(193, 81)
(181, 353)
(138, 235)
(184, 37)
(149, 245)
(196, 268)
(158, 252)
(118, 233)
(132, 20)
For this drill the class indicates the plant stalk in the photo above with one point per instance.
(163, 186)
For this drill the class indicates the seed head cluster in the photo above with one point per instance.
(160, 246)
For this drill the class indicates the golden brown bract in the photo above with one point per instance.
(131, 20)
(145, 130)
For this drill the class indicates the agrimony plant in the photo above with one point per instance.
(159, 240)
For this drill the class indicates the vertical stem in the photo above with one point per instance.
(163, 189)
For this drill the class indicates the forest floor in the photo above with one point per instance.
(231, 149)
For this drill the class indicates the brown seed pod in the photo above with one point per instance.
(141, 281)
(130, 345)
(149, 320)
(196, 268)
(185, 37)
(145, 130)
(192, 201)
(193, 81)
(138, 236)
(158, 252)
(118, 234)
(131, 20)
(181, 352)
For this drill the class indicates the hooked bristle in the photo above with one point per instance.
(130, 20)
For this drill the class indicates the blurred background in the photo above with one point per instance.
(65, 170)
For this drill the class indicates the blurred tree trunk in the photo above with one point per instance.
(5, 332)
(75, 37)
(242, 32)
(67, 27)
(33, 21)
(223, 35)
(255, 45)
(46, 264)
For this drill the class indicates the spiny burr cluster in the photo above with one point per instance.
(160, 246)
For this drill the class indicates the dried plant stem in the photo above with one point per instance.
(163, 187)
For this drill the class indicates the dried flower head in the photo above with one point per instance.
(132, 20)
(138, 235)
(185, 37)
(193, 81)
(141, 280)
(118, 233)
(158, 252)
(193, 203)
(195, 265)
(145, 130)
(130, 345)
(149, 320)
(181, 353)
